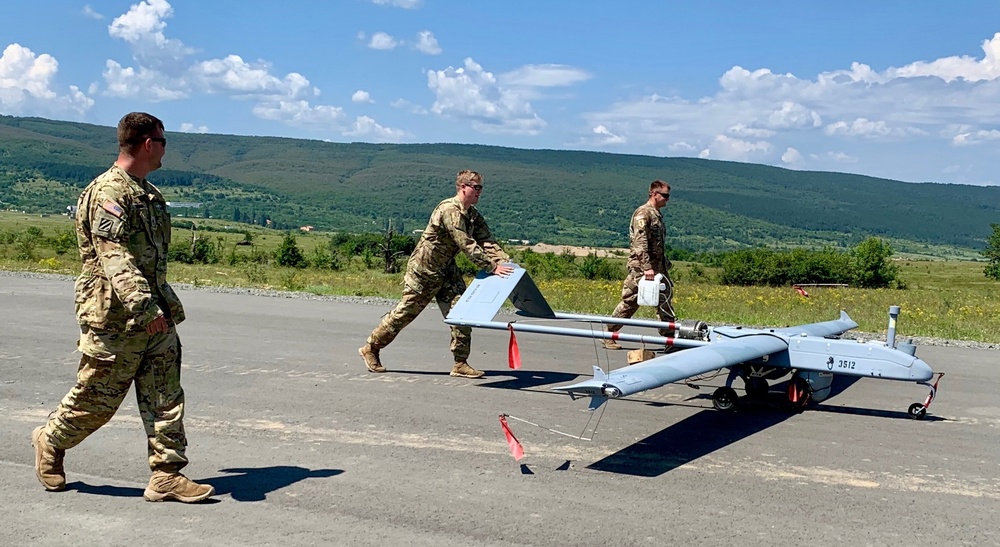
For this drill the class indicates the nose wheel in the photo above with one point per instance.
(917, 411)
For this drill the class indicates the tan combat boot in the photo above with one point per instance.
(48, 462)
(610, 344)
(370, 355)
(463, 370)
(165, 486)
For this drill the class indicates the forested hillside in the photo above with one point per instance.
(565, 197)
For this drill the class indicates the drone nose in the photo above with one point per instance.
(920, 371)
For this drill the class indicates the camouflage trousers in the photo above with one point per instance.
(417, 294)
(630, 301)
(111, 362)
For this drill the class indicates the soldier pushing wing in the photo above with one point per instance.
(431, 273)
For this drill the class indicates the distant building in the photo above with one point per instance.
(71, 211)
(183, 204)
(306, 228)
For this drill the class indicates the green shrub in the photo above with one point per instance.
(288, 253)
(767, 267)
(594, 267)
(549, 265)
(871, 264)
(992, 253)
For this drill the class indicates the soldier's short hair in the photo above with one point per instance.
(133, 129)
(658, 186)
(467, 177)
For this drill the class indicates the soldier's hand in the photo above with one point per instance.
(503, 269)
(649, 274)
(158, 325)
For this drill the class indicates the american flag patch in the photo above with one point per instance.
(113, 208)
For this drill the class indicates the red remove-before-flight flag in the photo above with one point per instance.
(516, 449)
(513, 353)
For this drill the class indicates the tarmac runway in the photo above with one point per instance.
(305, 447)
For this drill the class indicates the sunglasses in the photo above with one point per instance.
(161, 140)
(664, 195)
(476, 187)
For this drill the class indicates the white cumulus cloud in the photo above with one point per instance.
(192, 128)
(382, 41)
(142, 27)
(471, 93)
(728, 148)
(427, 43)
(975, 137)
(792, 157)
(925, 105)
(26, 81)
(607, 137)
(361, 96)
(300, 113)
(861, 127)
(368, 128)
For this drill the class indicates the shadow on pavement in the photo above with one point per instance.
(686, 441)
(255, 483)
(523, 379)
(105, 490)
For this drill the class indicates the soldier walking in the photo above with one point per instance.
(431, 273)
(647, 257)
(127, 314)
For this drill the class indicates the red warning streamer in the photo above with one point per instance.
(516, 449)
(513, 353)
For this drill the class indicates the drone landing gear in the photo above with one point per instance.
(755, 387)
(798, 392)
(724, 398)
(917, 411)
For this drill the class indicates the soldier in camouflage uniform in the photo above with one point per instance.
(647, 238)
(431, 273)
(127, 314)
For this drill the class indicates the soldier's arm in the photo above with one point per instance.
(451, 219)
(481, 233)
(640, 240)
(108, 225)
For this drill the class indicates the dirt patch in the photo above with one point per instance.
(602, 252)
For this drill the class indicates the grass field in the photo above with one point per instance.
(944, 299)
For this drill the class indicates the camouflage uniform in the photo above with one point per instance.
(123, 231)
(431, 272)
(647, 239)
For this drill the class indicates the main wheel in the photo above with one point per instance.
(724, 398)
(798, 393)
(756, 387)
(917, 411)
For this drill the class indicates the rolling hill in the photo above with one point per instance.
(567, 197)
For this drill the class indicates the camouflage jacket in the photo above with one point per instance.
(452, 230)
(123, 231)
(647, 238)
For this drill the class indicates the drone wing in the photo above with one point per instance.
(734, 346)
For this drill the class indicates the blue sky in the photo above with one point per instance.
(901, 90)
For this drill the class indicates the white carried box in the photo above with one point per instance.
(649, 290)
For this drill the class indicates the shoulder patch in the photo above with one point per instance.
(113, 208)
(107, 225)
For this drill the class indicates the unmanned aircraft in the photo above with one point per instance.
(812, 354)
